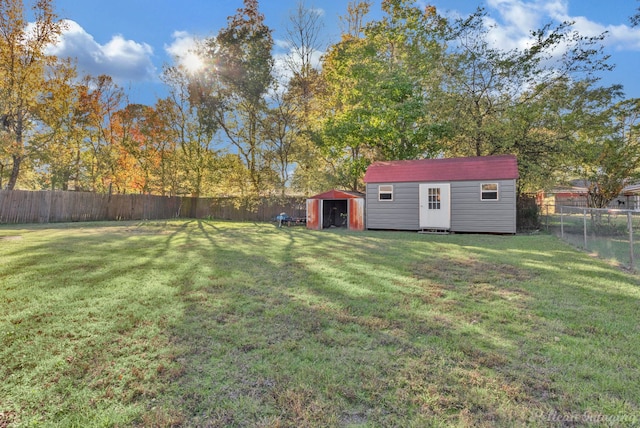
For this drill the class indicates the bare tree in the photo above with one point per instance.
(303, 36)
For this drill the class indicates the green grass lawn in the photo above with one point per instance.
(206, 323)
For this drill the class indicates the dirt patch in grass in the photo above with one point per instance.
(11, 238)
(451, 271)
(7, 419)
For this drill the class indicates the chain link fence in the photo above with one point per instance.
(609, 233)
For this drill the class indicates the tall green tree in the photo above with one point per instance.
(501, 101)
(170, 173)
(379, 90)
(60, 142)
(191, 128)
(234, 84)
(342, 124)
(409, 46)
(23, 63)
(608, 158)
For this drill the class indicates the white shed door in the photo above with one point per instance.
(435, 206)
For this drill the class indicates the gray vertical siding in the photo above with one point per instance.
(468, 212)
(402, 213)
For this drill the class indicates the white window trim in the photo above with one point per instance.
(385, 189)
(482, 192)
(436, 203)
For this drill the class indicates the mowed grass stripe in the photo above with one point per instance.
(203, 323)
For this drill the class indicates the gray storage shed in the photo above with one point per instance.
(472, 194)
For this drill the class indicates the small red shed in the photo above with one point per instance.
(336, 208)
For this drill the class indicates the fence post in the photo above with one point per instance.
(561, 222)
(546, 218)
(630, 226)
(584, 224)
(49, 206)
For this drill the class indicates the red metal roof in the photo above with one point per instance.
(338, 194)
(502, 167)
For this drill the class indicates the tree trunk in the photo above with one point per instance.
(15, 171)
(19, 156)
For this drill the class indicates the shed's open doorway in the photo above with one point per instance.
(334, 213)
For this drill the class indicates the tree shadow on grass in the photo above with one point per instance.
(260, 326)
(83, 337)
(299, 328)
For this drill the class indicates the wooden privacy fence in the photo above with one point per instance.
(18, 206)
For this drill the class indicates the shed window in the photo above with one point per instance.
(489, 191)
(385, 192)
(433, 198)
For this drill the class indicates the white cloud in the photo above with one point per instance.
(124, 60)
(518, 15)
(624, 38)
(282, 44)
(517, 18)
(619, 37)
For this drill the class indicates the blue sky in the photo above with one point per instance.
(131, 40)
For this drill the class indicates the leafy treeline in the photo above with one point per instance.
(412, 84)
